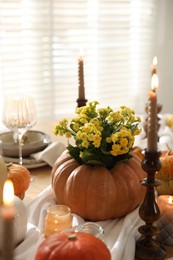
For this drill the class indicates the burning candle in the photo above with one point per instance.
(8, 214)
(154, 66)
(152, 135)
(81, 78)
(58, 218)
(165, 222)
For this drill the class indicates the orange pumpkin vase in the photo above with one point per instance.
(95, 192)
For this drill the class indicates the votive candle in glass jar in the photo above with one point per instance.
(58, 218)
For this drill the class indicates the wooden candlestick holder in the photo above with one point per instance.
(81, 102)
(147, 247)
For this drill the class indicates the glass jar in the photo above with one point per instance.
(91, 228)
(58, 218)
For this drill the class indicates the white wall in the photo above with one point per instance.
(165, 55)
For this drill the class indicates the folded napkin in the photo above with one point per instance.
(47, 156)
(50, 154)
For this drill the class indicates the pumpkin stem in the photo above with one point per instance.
(72, 237)
(8, 165)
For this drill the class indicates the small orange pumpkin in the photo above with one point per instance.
(96, 193)
(20, 176)
(70, 246)
(165, 175)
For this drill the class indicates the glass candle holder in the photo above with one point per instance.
(91, 228)
(58, 218)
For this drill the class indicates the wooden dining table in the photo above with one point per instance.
(41, 176)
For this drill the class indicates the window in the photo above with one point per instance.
(40, 43)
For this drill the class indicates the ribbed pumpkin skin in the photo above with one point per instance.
(96, 193)
(61, 247)
(165, 175)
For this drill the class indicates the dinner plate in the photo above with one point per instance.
(33, 141)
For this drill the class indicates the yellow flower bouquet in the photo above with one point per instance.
(103, 136)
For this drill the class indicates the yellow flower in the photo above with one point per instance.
(85, 143)
(137, 131)
(87, 128)
(123, 142)
(64, 122)
(83, 120)
(90, 137)
(114, 116)
(68, 135)
(83, 136)
(76, 127)
(96, 140)
(115, 137)
(78, 135)
(100, 132)
(115, 149)
(125, 132)
(108, 139)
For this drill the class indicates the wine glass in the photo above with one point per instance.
(19, 115)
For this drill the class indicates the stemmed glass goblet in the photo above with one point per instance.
(19, 115)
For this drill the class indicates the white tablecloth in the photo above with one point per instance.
(119, 234)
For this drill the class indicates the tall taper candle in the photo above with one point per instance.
(8, 214)
(81, 78)
(152, 130)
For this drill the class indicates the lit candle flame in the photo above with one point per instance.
(8, 193)
(154, 82)
(170, 200)
(81, 53)
(155, 61)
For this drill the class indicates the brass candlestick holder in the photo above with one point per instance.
(81, 102)
(147, 247)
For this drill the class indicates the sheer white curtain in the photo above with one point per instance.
(40, 42)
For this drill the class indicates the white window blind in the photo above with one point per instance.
(40, 42)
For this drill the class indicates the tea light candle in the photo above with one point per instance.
(8, 215)
(58, 218)
(81, 78)
(152, 135)
(165, 222)
(154, 66)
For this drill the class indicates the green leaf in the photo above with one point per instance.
(89, 155)
(94, 162)
(97, 158)
(74, 151)
(108, 160)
